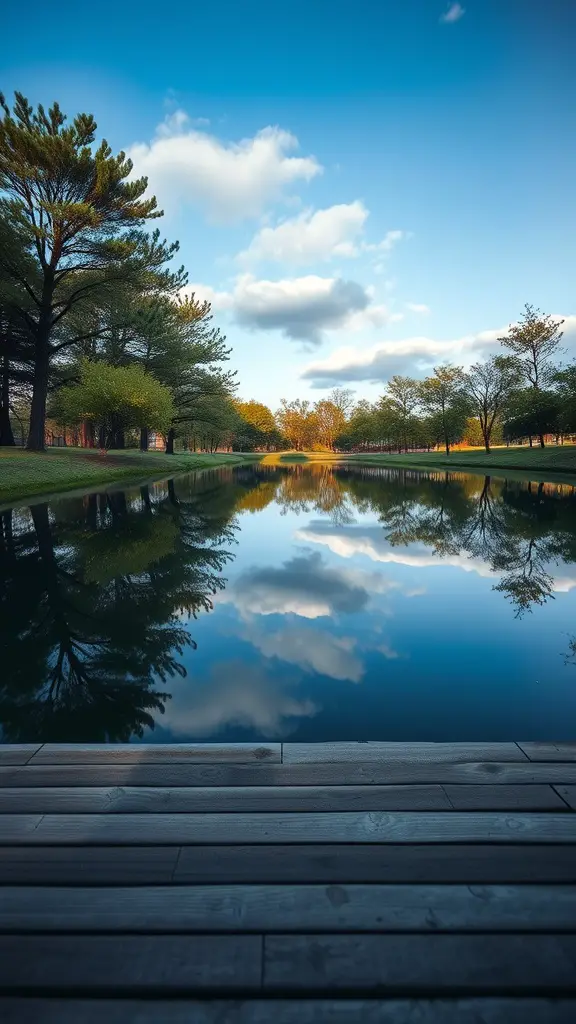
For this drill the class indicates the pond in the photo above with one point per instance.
(301, 602)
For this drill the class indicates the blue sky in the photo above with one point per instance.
(360, 187)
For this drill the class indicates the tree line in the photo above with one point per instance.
(523, 394)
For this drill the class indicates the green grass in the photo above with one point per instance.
(535, 462)
(23, 474)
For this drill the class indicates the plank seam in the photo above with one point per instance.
(447, 795)
(523, 752)
(34, 754)
(563, 799)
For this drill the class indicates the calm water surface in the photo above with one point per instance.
(294, 602)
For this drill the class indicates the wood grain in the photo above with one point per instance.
(501, 798)
(152, 865)
(424, 753)
(17, 753)
(145, 753)
(84, 865)
(549, 751)
(197, 800)
(131, 964)
(346, 827)
(293, 1011)
(345, 773)
(421, 964)
(384, 863)
(289, 908)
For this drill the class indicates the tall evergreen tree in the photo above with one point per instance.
(81, 219)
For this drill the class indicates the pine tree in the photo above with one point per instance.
(81, 218)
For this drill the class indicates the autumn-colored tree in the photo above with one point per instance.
(330, 421)
(298, 423)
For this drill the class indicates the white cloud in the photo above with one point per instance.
(453, 14)
(390, 239)
(313, 650)
(418, 307)
(305, 586)
(228, 180)
(350, 541)
(302, 308)
(311, 236)
(302, 586)
(236, 694)
(415, 356)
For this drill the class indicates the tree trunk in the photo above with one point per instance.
(542, 441)
(170, 441)
(530, 440)
(6, 435)
(101, 437)
(87, 434)
(144, 439)
(37, 432)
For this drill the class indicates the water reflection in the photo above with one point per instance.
(93, 596)
(304, 569)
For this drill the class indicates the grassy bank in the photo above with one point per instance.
(534, 462)
(24, 474)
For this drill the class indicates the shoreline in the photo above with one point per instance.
(77, 478)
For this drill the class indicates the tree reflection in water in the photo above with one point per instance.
(93, 604)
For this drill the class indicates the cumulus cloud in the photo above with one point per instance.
(229, 181)
(313, 650)
(415, 356)
(418, 307)
(302, 308)
(235, 694)
(311, 236)
(303, 586)
(350, 541)
(453, 14)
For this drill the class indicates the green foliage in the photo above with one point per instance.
(115, 397)
(78, 216)
(533, 342)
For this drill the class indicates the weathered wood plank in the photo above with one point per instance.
(414, 964)
(568, 794)
(229, 799)
(344, 827)
(137, 964)
(424, 753)
(384, 863)
(143, 753)
(290, 908)
(499, 798)
(337, 774)
(291, 1011)
(549, 751)
(84, 865)
(16, 828)
(152, 865)
(17, 753)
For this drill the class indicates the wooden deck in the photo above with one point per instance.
(333, 883)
